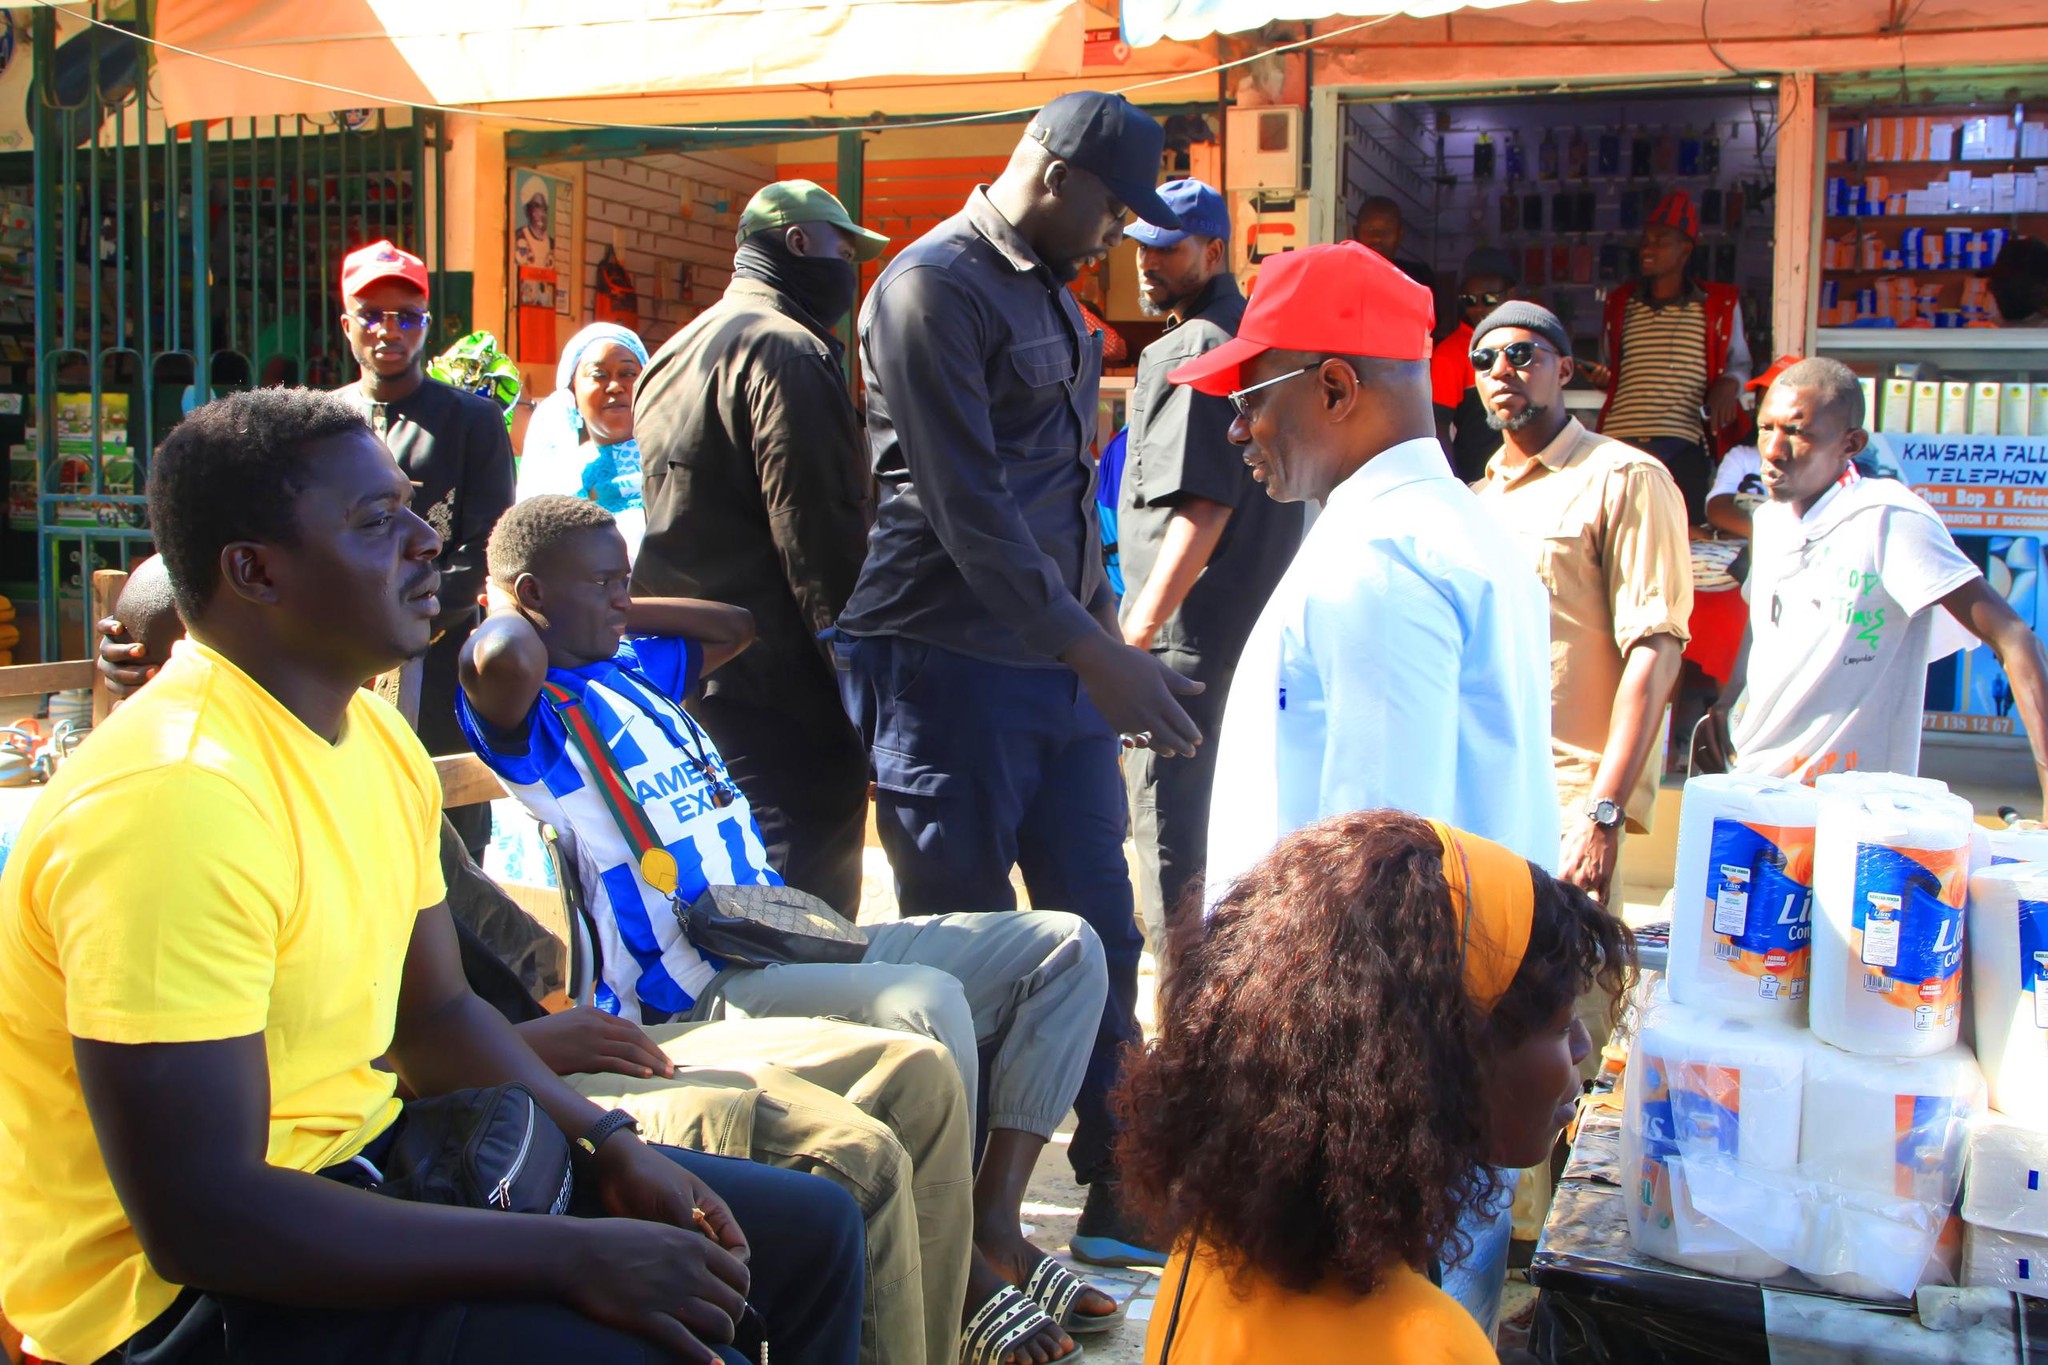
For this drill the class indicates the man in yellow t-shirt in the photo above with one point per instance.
(227, 908)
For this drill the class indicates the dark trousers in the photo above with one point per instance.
(982, 767)
(1170, 804)
(809, 1267)
(1691, 465)
(806, 777)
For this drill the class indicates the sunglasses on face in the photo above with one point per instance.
(1244, 409)
(391, 319)
(1480, 300)
(1519, 354)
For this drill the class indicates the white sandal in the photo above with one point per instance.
(1005, 1322)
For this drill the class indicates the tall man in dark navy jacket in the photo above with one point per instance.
(982, 656)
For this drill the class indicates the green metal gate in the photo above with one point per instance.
(161, 251)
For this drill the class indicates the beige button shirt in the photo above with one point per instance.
(1604, 525)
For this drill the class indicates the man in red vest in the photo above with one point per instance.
(1675, 348)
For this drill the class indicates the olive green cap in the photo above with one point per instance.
(789, 203)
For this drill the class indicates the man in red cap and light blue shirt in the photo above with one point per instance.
(1404, 659)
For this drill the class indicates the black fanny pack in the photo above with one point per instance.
(476, 1149)
(765, 926)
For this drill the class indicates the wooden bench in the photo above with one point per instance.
(465, 781)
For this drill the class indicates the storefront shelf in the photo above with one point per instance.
(1843, 341)
(1937, 272)
(1948, 217)
(1940, 165)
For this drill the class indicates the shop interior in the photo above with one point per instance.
(1563, 184)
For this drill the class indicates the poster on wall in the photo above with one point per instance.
(1992, 492)
(541, 232)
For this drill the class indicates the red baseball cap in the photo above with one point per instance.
(1778, 367)
(381, 261)
(1341, 299)
(1676, 210)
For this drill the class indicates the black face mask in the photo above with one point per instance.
(824, 285)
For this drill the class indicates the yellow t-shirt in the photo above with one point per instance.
(205, 867)
(1408, 1321)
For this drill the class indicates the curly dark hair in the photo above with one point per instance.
(532, 527)
(1314, 1102)
(229, 473)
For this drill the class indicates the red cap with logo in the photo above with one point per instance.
(1768, 377)
(381, 261)
(1676, 210)
(1342, 299)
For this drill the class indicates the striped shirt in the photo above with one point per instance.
(644, 959)
(1663, 379)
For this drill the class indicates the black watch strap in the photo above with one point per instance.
(602, 1130)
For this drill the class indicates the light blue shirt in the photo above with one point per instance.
(1404, 661)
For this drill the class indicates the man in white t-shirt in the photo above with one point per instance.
(1846, 576)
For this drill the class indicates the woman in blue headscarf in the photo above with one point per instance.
(580, 440)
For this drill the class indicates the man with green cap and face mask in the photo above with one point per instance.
(757, 494)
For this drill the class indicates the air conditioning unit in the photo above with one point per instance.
(1262, 148)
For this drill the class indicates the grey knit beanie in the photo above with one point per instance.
(1531, 317)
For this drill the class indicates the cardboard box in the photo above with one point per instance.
(2012, 409)
(2037, 419)
(1926, 408)
(1895, 414)
(1869, 387)
(1955, 408)
(1984, 395)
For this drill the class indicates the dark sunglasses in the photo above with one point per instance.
(401, 319)
(1519, 354)
(1477, 300)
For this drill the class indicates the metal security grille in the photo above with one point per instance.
(162, 251)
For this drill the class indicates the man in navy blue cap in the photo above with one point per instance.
(1202, 546)
(980, 653)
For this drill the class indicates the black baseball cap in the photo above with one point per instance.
(1112, 139)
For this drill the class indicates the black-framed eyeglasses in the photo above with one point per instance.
(1481, 300)
(1519, 354)
(1237, 398)
(392, 319)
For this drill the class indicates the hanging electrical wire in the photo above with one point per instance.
(375, 99)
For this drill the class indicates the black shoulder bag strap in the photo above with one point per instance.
(1173, 1318)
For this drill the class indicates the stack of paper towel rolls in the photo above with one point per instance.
(1742, 897)
(1695, 1082)
(2008, 936)
(2005, 1204)
(1891, 877)
(1749, 1147)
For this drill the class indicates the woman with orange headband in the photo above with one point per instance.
(1374, 1018)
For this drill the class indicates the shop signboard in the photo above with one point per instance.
(1992, 491)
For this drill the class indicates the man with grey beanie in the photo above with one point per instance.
(1486, 281)
(1603, 524)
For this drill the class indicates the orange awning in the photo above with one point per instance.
(1147, 21)
(463, 52)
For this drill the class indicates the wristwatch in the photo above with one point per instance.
(1604, 813)
(587, 1145)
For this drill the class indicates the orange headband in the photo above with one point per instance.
(1494, 898)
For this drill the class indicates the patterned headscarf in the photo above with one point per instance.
(559, 460)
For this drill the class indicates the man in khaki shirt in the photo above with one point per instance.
(1604, 525)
